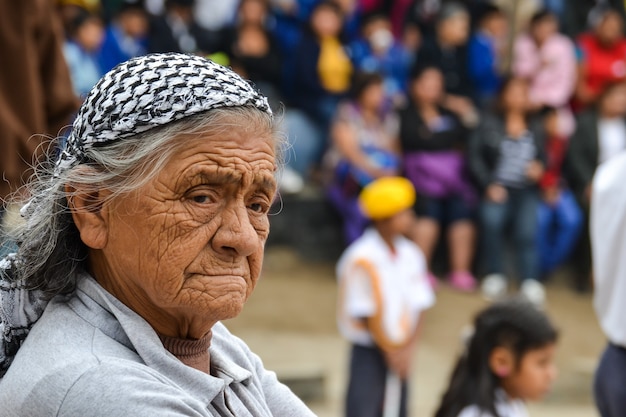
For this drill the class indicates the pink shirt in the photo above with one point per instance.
(551, 71)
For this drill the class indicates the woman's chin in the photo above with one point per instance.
(227, 306)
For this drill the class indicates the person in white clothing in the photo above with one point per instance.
(508, 360)
(383, 291)
(607, 221)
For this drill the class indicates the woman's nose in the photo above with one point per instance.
(235, 235)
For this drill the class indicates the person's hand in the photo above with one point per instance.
(399, 360)
(464, 108)
(534, 171)
(551, 195)
(458, 104)
(496, 193)
(377, 172)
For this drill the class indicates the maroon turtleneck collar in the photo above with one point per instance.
(191, 352)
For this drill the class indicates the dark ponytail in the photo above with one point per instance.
(515, 324)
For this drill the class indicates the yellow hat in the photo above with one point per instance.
(386, 197)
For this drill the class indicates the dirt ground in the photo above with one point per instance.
(290, 322)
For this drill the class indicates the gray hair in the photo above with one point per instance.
(50, 249)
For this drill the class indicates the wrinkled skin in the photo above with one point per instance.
(185, 250)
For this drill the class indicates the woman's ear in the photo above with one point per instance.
(502, 362)
(90, 213)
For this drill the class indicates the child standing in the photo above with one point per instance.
(509, 359)
(383, 290)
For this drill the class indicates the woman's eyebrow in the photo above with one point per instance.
(224, 177)
(215, 177)
(265, 183)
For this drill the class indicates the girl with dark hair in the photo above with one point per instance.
(506, 158)
(509, 359)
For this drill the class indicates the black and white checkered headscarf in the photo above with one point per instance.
(132, 98)
(151, 91)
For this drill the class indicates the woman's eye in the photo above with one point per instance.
(257, 207)
(201, 199)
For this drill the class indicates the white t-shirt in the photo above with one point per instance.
(611, 138)
(389, 287)
(505, 406)
(608, 245)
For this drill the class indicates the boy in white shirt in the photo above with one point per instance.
(383, 290)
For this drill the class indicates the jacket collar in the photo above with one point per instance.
(131, 330)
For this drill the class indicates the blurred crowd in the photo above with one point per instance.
(497, 111)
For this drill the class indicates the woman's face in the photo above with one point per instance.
(428, 88)
(455, 30)
(325, 22)
(253, 12)
(185, 250)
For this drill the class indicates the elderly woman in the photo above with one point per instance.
(146, 233)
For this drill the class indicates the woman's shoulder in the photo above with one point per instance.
(70, 363)
(232, 357)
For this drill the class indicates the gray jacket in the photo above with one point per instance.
(90, 355)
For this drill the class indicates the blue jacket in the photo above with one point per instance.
(483, 66)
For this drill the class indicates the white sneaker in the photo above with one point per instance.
(494, 287)
(534, 292)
